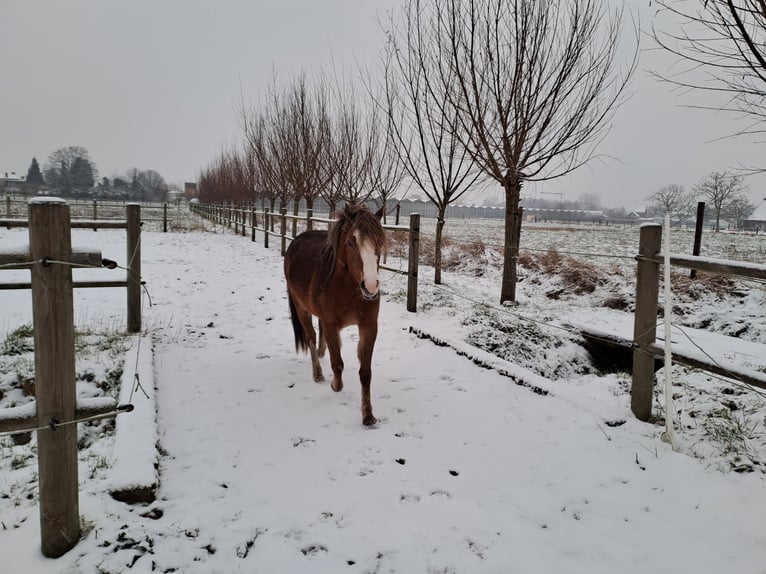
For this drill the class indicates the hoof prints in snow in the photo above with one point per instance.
(243, 549)
(313, 549)
(302, 441)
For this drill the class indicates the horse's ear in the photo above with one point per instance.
(379, 213)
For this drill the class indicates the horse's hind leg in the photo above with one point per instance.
(308, 327)
(331, 336)
(322, 345)
(367, 336)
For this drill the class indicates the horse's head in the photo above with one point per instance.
(360, 241)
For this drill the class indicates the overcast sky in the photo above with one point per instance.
(155, 85)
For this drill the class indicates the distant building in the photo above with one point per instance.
(10, 182)
(757, 221)
(190, 190)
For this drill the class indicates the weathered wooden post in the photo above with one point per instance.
(133, 211)
(398, 208)
(698, 234)
(645, 322)
(164, 217)
(253, 222)
(243, 215)
(266, 227)
(95, 214)
(53, 318)
(412, 270)
(309, 215)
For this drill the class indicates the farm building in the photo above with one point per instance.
(10, 182)
(757, 221)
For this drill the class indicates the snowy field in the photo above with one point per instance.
(531, 462)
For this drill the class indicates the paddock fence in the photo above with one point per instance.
(56, 410)
(158, 216)
(284, 227)
(645, 348)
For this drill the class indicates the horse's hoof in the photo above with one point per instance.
(336, 385)
(369, 420)
(319, 378)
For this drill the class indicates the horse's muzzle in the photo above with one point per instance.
(366, 295)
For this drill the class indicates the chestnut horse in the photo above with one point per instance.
(334, 276)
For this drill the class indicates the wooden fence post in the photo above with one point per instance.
(698, 234)
(8, 208)
(133, 211)
(283, 229)
(414, 256)
(309, 223)
(645, 322)
(266, 227)
(164, 217)
(398, 209)
(253, 222)
(95, 214)
(53, 319)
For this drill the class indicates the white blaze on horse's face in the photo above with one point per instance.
(370, 282)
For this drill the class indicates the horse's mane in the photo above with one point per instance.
(353, 217)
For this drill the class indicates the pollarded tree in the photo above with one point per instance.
(306, 139)
(418, 108)
(720, 188)
(533, 86)
(34, 175)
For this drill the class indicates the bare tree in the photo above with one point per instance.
(673, 199)
(267, 133)
(739, 209)
(306, 140)
(70, 167)
(720, 188)
(351, 140)
(417, 103)
(721, 45)
(534, 86)
(385, 165)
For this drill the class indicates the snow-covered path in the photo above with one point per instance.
(263, 470)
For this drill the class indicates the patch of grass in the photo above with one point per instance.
(19, 341)
(730, 431)
(98, 463)
(577, 277)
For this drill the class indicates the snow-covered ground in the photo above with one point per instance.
(528, 465)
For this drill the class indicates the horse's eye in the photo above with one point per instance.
(352, 241)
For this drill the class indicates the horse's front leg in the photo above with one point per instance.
(367, 335)
(331, 335)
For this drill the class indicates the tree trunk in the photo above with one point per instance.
(512, 188)
(438, 246)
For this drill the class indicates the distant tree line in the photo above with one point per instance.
(70, 172)
(724, 193)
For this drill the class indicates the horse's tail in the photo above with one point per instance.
(300, 334)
